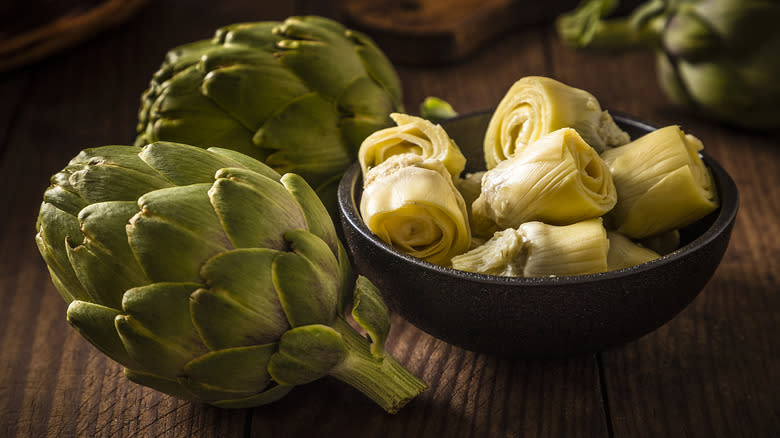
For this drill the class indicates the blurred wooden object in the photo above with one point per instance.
(36, 32)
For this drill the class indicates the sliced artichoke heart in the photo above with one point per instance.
(411, 135)
(558, 179)
(662, 183)
(536, 249)
(412, 204)
(535, 106)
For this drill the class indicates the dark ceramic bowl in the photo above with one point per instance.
(539, 317)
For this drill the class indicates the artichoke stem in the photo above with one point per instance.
(587, 27)
(385, 381)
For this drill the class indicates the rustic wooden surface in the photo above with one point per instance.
(713, 371)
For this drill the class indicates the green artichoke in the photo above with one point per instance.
(719, 57)
(299, 95)
(210, 277)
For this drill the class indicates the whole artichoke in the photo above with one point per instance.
(719, 57)
(210, 277)
(299, 95)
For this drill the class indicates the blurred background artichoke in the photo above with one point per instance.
(720, 58)
(299, 95)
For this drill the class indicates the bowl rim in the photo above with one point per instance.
(726, 213)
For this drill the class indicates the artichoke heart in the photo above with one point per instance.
(557, 179)
(536, 249)
(662, 183)
(624, 252)
(412, 135)
(535, 106)
(412, 204)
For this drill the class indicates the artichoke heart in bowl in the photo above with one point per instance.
(544, 316)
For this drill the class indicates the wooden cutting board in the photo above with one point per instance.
(422, 32)
(430, 32)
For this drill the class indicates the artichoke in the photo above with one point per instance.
(299, 95)
(210, 277)
(719, 57)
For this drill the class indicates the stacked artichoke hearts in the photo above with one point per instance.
(535, 106)
(210, 277)
(409, 197)
(551, 203)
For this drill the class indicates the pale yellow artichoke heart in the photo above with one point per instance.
(412, 135)
(413, 205)
(662, 183)
(557, 179)
(536, 249)
(624, 252)
(535, 106)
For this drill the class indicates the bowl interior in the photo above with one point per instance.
(538, 317)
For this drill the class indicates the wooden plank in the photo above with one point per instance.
(714, 369)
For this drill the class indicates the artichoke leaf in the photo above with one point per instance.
(307, 353)
(240, 290)
(371, 313)
(229, 374)
(102, 181)
(304, 137)
(252, 93)
(365, 106)
(243, 160)
(255, 211)
(164, 309)
(54, 227)
(257, 35)
(183, 114)
(305, 280)
(64, 197)
(308, 43)
(318, 221)
(104, 263)
(182, 218)
(184, 164)
(96, 324)
(154, 353)
(378, 66)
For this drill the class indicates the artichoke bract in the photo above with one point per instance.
(717, 57)
(211, 277)
(299, 95)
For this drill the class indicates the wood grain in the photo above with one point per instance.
(714, 370)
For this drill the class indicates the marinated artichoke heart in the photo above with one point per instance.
(624, 252)
(558, 179)
(211, 277)
(299, 95)
(662, 183)
(411, 135)
(536, 249)
(535, 106)
(412, 204)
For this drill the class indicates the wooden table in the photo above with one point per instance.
(713, 371)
